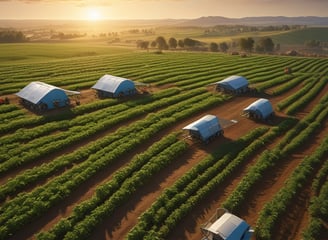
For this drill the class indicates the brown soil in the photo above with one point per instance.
(125, 217)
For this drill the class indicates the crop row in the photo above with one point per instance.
(143, 68)
(75, 129)
(318, 206)
(273, 82)
(7, 108)
(318, 66)
(114, 193)
(273, 211)
(209, 72)
(297, 95)
(269, 158)
(105, 190)
(40, 121)
(33, 204)
(290, 84)
(12, 115)
(277, 70)
(320, 179)
(310, 95)
(191, 188)
(21, 180)
(79, 72)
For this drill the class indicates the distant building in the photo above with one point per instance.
(41, 96)
(260, 109)
(233, 84)
(114, 87)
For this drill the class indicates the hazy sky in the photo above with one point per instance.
(154, 9)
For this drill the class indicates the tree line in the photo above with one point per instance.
(162, 44)
(264, 44)
(235, 29)
(11, 36)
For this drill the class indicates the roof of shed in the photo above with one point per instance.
(109, 83)
(35, 91)
(229, 225)
(200, 122)
(262, 105)
(235, 82)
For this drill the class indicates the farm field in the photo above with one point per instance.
(124, 169)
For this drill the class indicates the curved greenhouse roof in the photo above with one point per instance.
(233, 83)
(35, 92)
(261, 107)
(207, 126)
(229, 226)
(113, 84)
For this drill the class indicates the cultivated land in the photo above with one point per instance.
(115, 169)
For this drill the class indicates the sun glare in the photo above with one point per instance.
(93, 14)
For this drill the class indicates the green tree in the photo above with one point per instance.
(161, 43)
(265, 44)
(181, 43)
(173, 43)
(188, 42)
(246, 44)
(224, 47)
(312, 43)
(153, 44)
(9, 36)
(214, 47)
(143, 44)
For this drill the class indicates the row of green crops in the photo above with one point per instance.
(310, 95)
(293, 139)
(70, 148)
(318, 206)
(295, 101)
(111, 195)
(39, 172)
(272, 212)
(44, 197)
(175, 203)
(145, 68)
(80, 128)
(109, 188)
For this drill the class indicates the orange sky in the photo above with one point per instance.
(155, 9)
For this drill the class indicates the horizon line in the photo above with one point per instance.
(152, 19)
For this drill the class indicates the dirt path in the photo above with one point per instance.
(84, 192)
(189, 229)
(125, 217)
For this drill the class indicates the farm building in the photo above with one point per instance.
(112, 86)
(41, 96)
(205, 128)
(226, 226)
(260, 109)
(233, 84)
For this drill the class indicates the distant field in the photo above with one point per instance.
(286, 39)
(301, 36)
(125, 169)
(11, 53)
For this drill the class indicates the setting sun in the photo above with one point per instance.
(93, 14)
